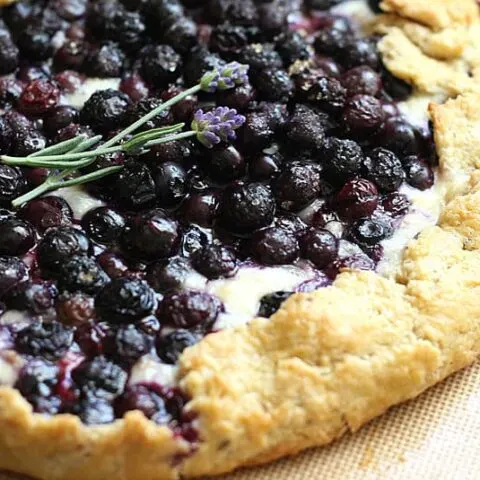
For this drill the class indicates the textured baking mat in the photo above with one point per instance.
(435, 437)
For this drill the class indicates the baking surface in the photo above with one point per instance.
(436, 436)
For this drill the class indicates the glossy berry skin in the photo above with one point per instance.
(304, 128)
(363, 113)
(58, 118)
(170, 184)
(38, 97)
(36, 382)
(12, 272)
(50, 341)
(370, 231)
(319, 246)
(360, 52)
(342, 160)
(269, 304)
(105, 110)
(201, 209)
(12, 184)
(399, 136)
(215, 261)
(170, 274)
(257, 131)
(297, 186)
(274, 246)
(362, 80)
(358, 198)
(153, 235)
(333, 36)
(193, 240)
(160, 65)
(100, 377)
(245, 208)
(105, 61)
(28, 141)
(189, 309)
(225, 164)
(81, 273)
(170, 346)
(17, 236)
(46, 212)
(146, 400)
(58, 245)
(385, 169)
(396, 204)
(419, 173)
(104, 225)
(125, 300)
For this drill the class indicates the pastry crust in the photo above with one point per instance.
(329, 361)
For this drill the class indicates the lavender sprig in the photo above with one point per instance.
(210, 128)
(217, 125)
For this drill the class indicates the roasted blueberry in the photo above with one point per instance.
(160, 64)
(319, 246)
(418, 172)
(75, 308)
(225, 164)
(257, 131)
(105, 110)
(100, 377)
(58, 245)
(399, 136)
(171, 274)
(275, 85)
(362, 80)
(363, 114)
(153, 235)
(94, 411)
(396, 204)
(304, 128)
(274, 246)
(58, 118)
(385, 169)
(91, 336)
(105, 61)
(17, 236)
(343, 160)
(189, 309)
(36, 295)
(81, 273)
(362, 51)
(12, 184)
(201, 208)
(125, 300)
(129, 344)
(245, 208)
(49, 340)
(328, 94)
(333, 35)
(292, 46)
(193, 240)
(144, 399)
(170, 183)
(358, 198)
(297, 186)
(39, 97)
(370, 231)
(171, 345)
(12, 272)
(104, 225)
(215, 261)
(270, 303)
(46, 212)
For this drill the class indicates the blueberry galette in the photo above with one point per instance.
(229, 230)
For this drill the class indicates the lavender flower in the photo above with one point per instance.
(224, 78)
(217, 125)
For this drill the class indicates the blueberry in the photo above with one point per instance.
(58, 245)
(100, 377)
(105, 110)
(418, 172)
(126, 28)
(170, 184)
(274, 246)
(333, 36)
(71, 54)
(36, 382)
(12, 184)
(171, 274)
(292, 46)
(297, 186)
(352, 262)
(81, 273)
(319, 246)
(58, 118)
(215, 261)
(49, 340)
(225, 164)
(200, 61)
(398, 89)
(257, 131)
(36, 296)
(343, 160)
(125, 300)
(189, 309)
(238, 98)
(144, 399)
(328, 94)
(17, 236)
(274, 85)
(396, 204)
(153, 235)
(35, 43)
(370, 231)
(106, 60)
(161, 65)
(231, 11)
(12, 272)
(91, 336)
(182, 35)
(399, 136)
(171, 345)
(304, 128)
(129, 344)
(46, 212)
(146, 105)
(201, 209)
(265, 166)
(358, 198)
(10, 90)
(261, 57)
(230, 40)
(193, 240)
(363, 113)
(362, 51)
(385, 169)
(94, 411)
(28, 141)
(362, 80)
(104, 225)
(270, 303)
(245, 208)
(9, 55)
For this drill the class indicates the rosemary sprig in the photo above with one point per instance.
(70, 155)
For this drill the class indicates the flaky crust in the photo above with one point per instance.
(329, 361)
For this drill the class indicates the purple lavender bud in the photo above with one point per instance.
(224, 78)
(216, 125)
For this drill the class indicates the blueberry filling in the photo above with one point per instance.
(311, 184)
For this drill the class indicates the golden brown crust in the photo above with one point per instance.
(328, 361)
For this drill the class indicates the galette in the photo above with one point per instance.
(230, 230)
